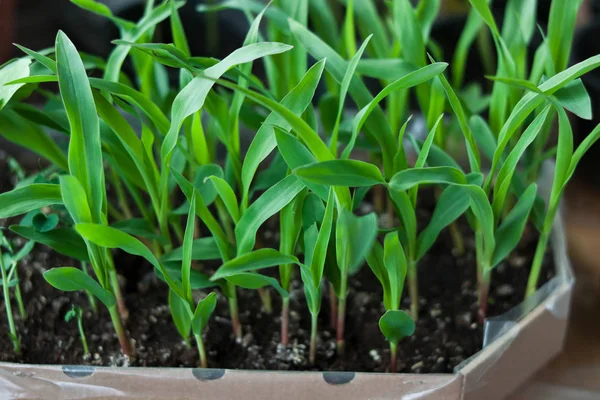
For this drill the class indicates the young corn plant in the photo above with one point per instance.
(389, 265)
(9, 259)
(77, 313)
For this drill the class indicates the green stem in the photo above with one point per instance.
(393, 357)
(225, 219)
(536, 266)
(114, 283)
(265, 297)
(86, 351)
(178, 231)
(201, 351)
(14, 337)
(122, 199)
(413, 289)
(285, 318)
(18, 297)
(233, 311)
(457, 239)
(120, 331)
(341, 313)
(332, 306)
(314, 321)
(91, 298)
(484, 289)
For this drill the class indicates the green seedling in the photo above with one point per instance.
(389, 265)
(77, 312)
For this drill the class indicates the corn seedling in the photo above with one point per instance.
(77, 313)
(164, 193)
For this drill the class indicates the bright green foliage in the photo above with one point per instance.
(144, 171)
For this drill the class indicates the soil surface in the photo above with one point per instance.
(447, 331)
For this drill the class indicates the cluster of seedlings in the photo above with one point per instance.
(176, 203)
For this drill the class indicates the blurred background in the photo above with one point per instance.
(574, 374)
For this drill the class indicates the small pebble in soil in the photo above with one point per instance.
(375, 355)
(505, 290)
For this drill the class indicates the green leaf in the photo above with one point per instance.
(192, 97)
(255, 260)
(297, 100)
(69, 279)
(297, 155)
(467, 37)
(63, 240)
(396, 325)
(177, 31)
(483, 136)
(412, 79)
(319, 251)
(105, 236)
(227, 195)
(575, 98)
(406, 179)
(138, 227)
(561, 26)
(352, 173)
(103, 10)
(39, 57)
(271, 202)
(481, 6)
(202, 249)
(472, 150)
(27, 198)
(205, 215)
(187, 249)
(313, 210)
(337, 67)
(181, 314)
(17, 69)
(375, 261)
(346, 84)
(505, 175)
(354, 238)
(85, 151)
(24, 133)
(408, 216)
(204, 310)
(408, 32)
(198, 280)
(74, 199)
(396, 267)
(253, 281)
(510, 231)
(450, 205)
(386, 69)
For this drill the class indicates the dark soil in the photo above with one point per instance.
(447, 331)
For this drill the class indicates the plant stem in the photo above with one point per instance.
(233, 312)
(333, 306)
(201, 351)
(91, 298)
(314, 320)
(340, 324)
(378, 199)
(122, 199)
(285, 318)
(457, 239)
(178, 231)
(413, 289)
(265, 297)
(114, 282)
(18, 297)
(86, 351)
(9, 315)
(120, 331)
(393, 356)
(484, 289)
(536, 266)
